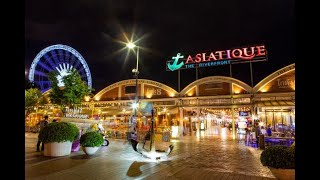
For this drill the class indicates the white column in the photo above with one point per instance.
(198, 110)
(142, 90)
(198, 117)
(119, 92)
(233, 123)
(181, 121)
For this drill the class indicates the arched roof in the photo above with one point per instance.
(47, 92)
(132, 82)
(273, 76)
(216, 79)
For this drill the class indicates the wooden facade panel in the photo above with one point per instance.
(238, 90)
(284, 83)
(154, 92)
(214, 88)
(191, 92)
(110, 95)
(129, 95)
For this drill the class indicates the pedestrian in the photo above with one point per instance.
(42, 124)
(247, 136)
(134, 139)
(258, 132)
(269, 130)
(263, 130)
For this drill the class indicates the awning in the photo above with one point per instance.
(275, 103)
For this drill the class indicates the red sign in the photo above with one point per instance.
(243, 53)
(215, 58)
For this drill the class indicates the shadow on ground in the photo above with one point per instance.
(134, 169)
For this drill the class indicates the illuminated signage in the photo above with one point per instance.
(244, 113)
(75, 113)
(217, 58)
(79, 116)
(285, 83)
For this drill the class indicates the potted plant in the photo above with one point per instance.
(58, 137)
(280, 160)
(91, 141)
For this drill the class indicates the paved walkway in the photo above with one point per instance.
(210, 157)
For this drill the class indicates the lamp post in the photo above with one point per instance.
(36, 108)
(135, 72)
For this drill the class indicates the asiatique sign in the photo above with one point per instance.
(217, 58)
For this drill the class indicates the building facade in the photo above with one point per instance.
(207, 102)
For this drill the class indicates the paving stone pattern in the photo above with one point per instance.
(208, 157)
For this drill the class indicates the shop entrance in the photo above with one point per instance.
(216, 121)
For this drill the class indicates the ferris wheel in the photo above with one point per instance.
(60, 58)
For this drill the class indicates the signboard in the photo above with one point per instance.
(79, 116)
(217, 58)
(75, 113)
(244, 113)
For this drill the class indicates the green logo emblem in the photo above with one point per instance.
(175, 65)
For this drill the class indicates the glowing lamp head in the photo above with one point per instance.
(135, 105)
(237, 91)
(86, 98)
(130, 45)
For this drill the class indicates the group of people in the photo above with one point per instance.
(255, 128)
(253, 132)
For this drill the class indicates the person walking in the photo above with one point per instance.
(42, 124)
(263, 130)
(269, 130)
(134, 139)
(258, 132)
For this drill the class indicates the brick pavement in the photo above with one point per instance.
(192, 158)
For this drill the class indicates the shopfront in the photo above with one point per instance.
(213, 101)
(275, 100)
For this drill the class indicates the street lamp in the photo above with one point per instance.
(135, 72)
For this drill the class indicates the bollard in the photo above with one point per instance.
(261, 141)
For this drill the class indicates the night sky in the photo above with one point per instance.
(167, 28)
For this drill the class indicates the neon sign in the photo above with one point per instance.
(75, 113)
(175, 65)
(216, 58)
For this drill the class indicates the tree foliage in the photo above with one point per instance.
(73, 91)
(32, 97)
